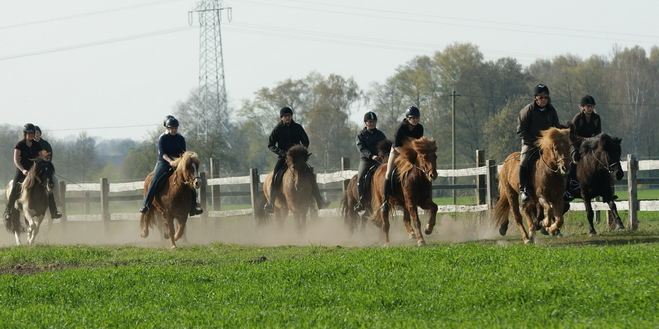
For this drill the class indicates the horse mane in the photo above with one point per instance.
(181, 163)
(295, 153)
(552, 136)
(591, 144)
(410, 150)
(33, 176)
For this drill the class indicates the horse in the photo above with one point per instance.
(600, 161)
(296, 191)
(416, 168)
(33, 200)
(174, 198)
(351, 218)
(547, 184)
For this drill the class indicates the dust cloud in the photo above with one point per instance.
(328, 230)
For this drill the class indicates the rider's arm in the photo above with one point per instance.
(17, 161)
(272, 143)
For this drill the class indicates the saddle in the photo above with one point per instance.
(161, 181)
(368, 177)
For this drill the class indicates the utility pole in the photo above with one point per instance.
(453, 96)
(211, 63)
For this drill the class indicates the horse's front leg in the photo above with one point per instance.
(614, 210)
(590, 214)
(385, 228)
(301, 221)
(171, 231)
(181, 229)
(416, 223)
(517, 216)
(555, 211)
(431, 208)
(408, 226)
(37, 225)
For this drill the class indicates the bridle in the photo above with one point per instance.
(426, 172)
(557, 161)
(193, 181)
(608, 167)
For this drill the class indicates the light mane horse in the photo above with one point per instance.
(546, 188)
(32, 203)
(174, 199)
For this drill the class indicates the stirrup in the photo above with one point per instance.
(574, 185)
(359, 207)
(55, 214)
(144, 209)
(268, 207)
(525, 196)
(196, 211)
(567, 196)
(384, 207)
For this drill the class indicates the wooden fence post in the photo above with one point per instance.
(491, 182)
(481, 193)
(62, 203)
(105, 204)
(203, 191)
(632, 171)
(215, 189)
(87, 205)
(253, 188)
(345, 165)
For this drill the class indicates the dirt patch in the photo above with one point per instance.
(28, 269)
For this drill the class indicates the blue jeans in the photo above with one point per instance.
(162, 167)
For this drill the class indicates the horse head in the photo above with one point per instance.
(187, 169)
(607, 151)
(384, 147)
(296, 160)
(419, 154)
(41, 173)
(555, 145)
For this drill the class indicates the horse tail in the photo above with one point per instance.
(148, 219)
(13, 224)
(344, 205)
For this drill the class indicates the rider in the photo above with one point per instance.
(367, 141)
(46, 147)
(171, 144)
(408, 128)
(286, 134)
(25, 152)
(534, 118)
(587, 124)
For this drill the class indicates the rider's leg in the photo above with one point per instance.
(274, 186)
(387, 180)
(161, 169)
(15, 193)
(195, 206)
(363, 166)
(523, 172)
(320, 201)
(54, 213)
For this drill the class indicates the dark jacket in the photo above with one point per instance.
(587, 129)
(403, 132)
(46, 147)
(532, 120)
(172, 145)
(367, 142)
(284, 136)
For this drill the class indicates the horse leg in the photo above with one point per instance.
(144, 222)
(417, 225)
(169, 226)
(555, 212)
(590, 214)
(408, 226)
(31, 227)
(385, 228)
(614, 210)
(35, 231)
(181, 229)
(431, 208)
(16, 226)
(514, 208)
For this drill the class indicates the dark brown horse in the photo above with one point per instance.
(600, 161)
(296, 189)
(547, 185)
(416, 167)
(33, 200)
(173, 200)
(351, 218)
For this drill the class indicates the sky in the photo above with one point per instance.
(116, 68)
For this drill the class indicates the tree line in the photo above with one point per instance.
(489, 95)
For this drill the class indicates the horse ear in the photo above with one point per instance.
(617, 140)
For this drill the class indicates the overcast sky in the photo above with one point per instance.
(116, 68)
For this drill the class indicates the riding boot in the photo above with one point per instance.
(387, 190)
(269, 205)
(195, 207)
(54, 213)
(360, 193)
(523, 177)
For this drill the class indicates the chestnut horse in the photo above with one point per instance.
(33, 200)
(174, 198)
(600, 161)
(351, 218)
(416, 167)
(296, 192)
(546, 188)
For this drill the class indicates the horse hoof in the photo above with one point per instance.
(412, 236)
(592, 234)
(421, 243)
(428, 231)
(528, 242)
(172, 247)
(543, 231)
(144, 235)
(386, 245)
(503, 229)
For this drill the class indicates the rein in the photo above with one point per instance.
(608, 167)
(557, 161)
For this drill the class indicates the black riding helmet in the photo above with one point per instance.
(28, 127)
(285, 110)
(540, 90)
(587, 100)
(164, 122)
(412, 112)
(36, 128)
(171, 122)
(370, 116)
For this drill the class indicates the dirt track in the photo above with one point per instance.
(324, 231)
